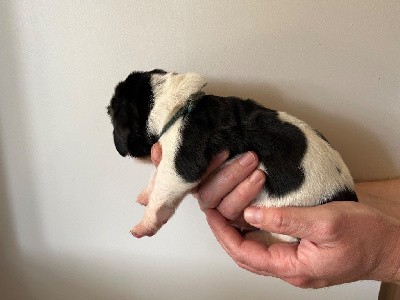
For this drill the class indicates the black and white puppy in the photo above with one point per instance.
(302, 167)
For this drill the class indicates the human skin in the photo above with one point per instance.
(340, 241)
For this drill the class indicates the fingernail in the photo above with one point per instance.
(253, 215)
(247, 159)
(256, 177)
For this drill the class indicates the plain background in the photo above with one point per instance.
(68, 198)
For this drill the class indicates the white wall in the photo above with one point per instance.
(67, 197)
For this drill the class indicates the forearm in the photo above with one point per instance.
(393, 258)
(383, 195)
(390, 262)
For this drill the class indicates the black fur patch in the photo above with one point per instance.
(129, 109)
(343, 195)
(218, 123)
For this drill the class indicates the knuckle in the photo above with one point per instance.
(205, 199)
(236, 258)
(236, 168)
(321, 283)
(302, 282)
(239, 262)
(278, 220)
(229, 176)
(228, 211)
(202, 195)
(331, 225)
(241, 194)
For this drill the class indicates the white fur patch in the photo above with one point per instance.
(170, 92)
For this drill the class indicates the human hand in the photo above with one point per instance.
(229, 189)
(340, 242)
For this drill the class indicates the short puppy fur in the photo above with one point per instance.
(301, 166)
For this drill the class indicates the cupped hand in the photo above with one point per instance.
(340, 242)
(231, 188)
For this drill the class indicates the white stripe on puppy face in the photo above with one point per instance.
(170, 92)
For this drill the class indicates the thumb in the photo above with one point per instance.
(313, 223)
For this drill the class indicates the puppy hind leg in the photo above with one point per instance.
(167, 194)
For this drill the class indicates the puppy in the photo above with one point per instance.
(302, 167)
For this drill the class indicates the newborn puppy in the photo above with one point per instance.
(301, 166)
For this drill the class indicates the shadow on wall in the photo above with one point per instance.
(12, 285)
(15, 167)
(66, 276)
(364, 153)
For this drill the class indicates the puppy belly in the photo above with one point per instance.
(269, 238)
(314, 191)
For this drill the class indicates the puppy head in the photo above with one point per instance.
(129, 110)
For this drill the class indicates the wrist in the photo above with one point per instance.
(396, 278)
(393, 261)
(385, 263)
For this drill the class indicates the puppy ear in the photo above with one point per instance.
(121, 140)
(158, 71)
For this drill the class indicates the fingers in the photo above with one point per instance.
(216, 162)
(230, 239)
(277, 260)
(156, 154)
(225, 180)
(237, 200)
(319, 224)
